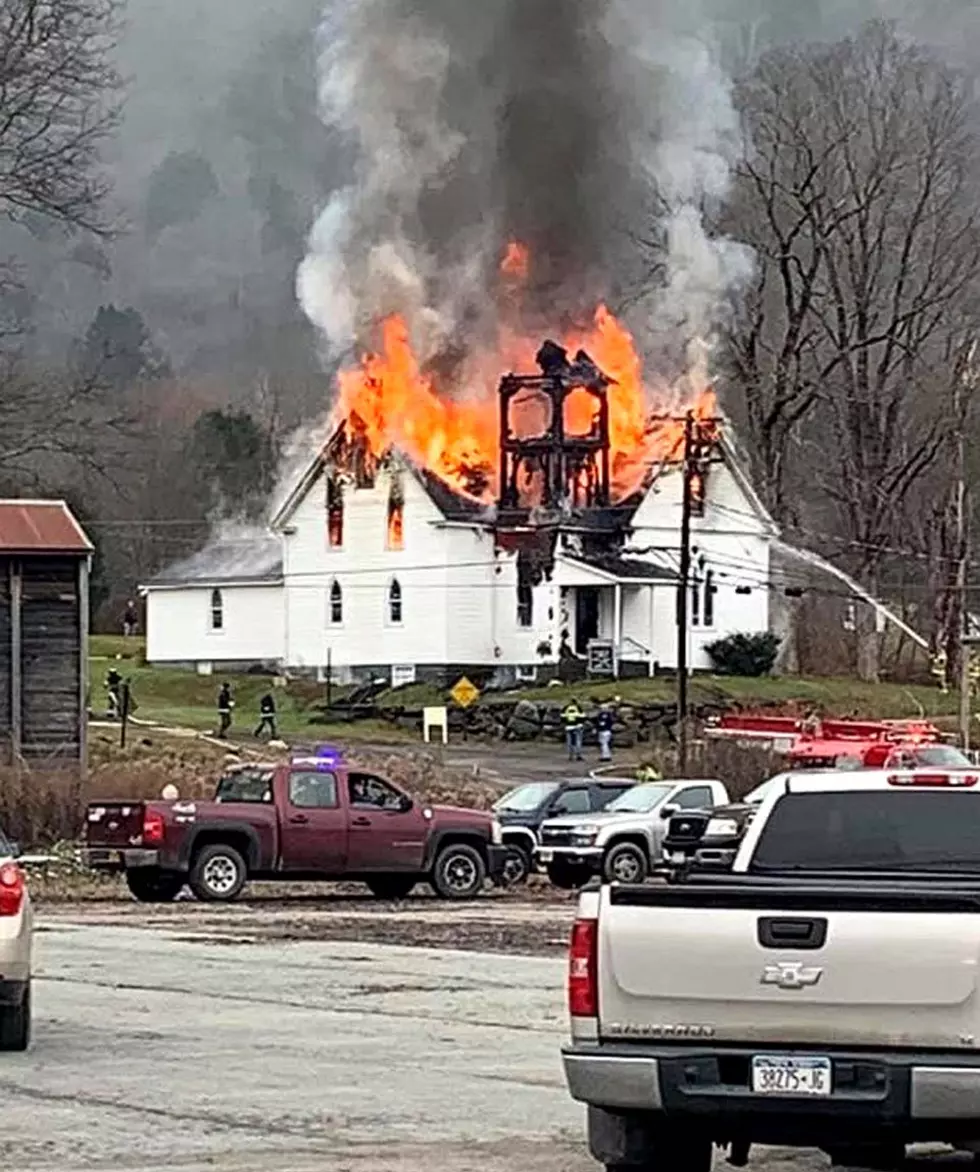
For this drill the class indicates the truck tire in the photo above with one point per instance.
(517, 867)
(149, 885)
(15, 1023)
(673, 1153)
(885, 1156)
(218, 873)
(625, 863)
(391, 886)
(567, 876)
(459, 872)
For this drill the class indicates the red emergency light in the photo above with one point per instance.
(934, 780)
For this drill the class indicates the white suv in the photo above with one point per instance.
(16, 933)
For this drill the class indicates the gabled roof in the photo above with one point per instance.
(28, 527)
(251, 561)
(452, 505)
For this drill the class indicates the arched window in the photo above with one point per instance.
(395, 533)
(335, 513)
(217, 611)
(395, 601)
(336, 603)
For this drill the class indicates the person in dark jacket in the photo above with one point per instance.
(267, 713)
(113, 685)
(604, 726)
(226, 704)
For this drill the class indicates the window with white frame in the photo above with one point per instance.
(336, 603)
(217, 611)
(395, 602)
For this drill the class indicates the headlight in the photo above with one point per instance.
(585, 833)
(722, 828)
(496, 833)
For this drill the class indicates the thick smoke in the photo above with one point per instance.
(597, 132)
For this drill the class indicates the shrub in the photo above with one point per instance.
(744, 655)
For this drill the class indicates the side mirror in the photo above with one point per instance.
(669, 811)
(15, 850)
(404, 804)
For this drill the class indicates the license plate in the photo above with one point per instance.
(546, 856)
(791, 1076)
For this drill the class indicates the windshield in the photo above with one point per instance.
(757, 795)
(872, 830)
(525, 798)
(641, 799)
(245, 785)
(936, 756)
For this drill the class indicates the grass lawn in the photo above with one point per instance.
(184, 698)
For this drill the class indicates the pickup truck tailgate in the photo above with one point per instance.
(757, 965)
(116, 824)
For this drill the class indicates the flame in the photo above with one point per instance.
(456, 436)
(516, 264)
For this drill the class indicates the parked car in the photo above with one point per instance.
(16, 940)
(825, 993)
(623, 842)
(522, 810)
(311, 819)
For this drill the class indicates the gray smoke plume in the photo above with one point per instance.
(596, 132)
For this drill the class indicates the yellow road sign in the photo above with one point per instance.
(464, 692)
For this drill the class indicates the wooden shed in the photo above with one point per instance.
(45, 559)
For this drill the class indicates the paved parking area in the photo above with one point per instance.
(158, 1050)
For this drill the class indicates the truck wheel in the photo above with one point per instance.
(886, 1156)
(15, 1023)
(673, 1153)
(567, 876)
(149, 885)
(218, 874)
(626, 863)
(459, 872)
(517, 867)
(391, 886)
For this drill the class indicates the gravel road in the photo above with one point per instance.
(179, 1048)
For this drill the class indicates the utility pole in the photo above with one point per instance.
(683, 588)
(967, 381)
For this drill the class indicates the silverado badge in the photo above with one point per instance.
(790, 974)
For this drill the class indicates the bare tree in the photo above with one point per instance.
(58, 102)
(857, 193)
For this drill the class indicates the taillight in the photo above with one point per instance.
(12, 889)
(583, 977)
(152, 827)
(963, 780)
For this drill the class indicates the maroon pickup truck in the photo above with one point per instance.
(311, 819)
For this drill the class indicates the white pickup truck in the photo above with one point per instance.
(825, 994)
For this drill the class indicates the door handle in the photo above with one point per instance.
(360, 822)
(299, 818)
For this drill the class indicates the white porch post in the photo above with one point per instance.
(617, 625)
(651, 656)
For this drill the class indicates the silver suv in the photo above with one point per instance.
(623, 843)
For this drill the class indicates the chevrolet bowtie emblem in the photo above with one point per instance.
(790, 975)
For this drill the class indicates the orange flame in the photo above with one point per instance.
(457, 437)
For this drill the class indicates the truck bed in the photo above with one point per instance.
(805, 962)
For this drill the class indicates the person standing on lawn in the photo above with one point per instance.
(226, 704)
(604, 725)
(574, 719)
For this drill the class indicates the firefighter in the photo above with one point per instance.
(267, 714)
(113, 684)
(226, 704)
(573, 718)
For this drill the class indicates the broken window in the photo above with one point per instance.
(395, 601)
(525, 604)
(335, 513)
(336, 603)
(396, 515)
(217, 611)
(697, 489)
